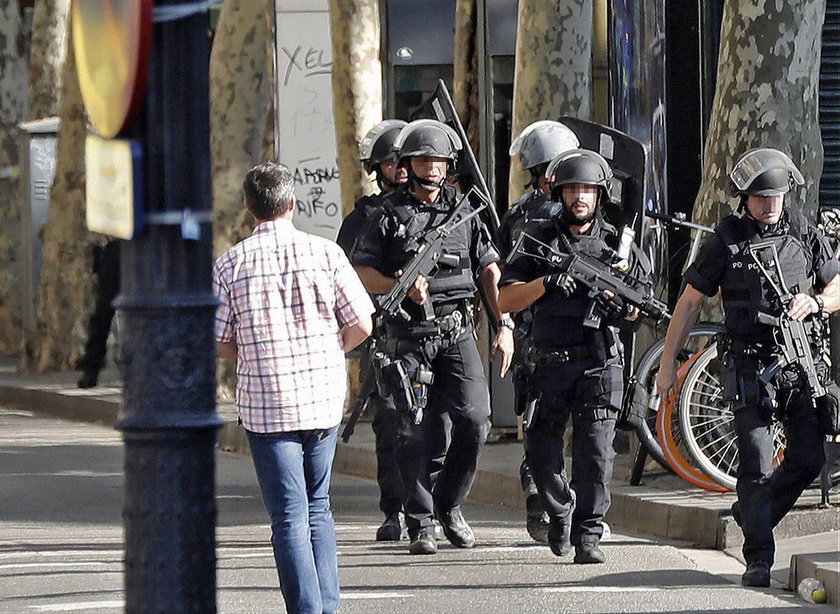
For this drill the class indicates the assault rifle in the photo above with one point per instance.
(791, 335)
(428, 250)
(599, 277)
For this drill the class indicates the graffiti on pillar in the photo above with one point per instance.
(305, 118)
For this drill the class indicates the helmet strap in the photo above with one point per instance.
(429, 185)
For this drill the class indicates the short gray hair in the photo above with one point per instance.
(269, 190)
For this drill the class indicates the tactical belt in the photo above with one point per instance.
(739, 347)
(453, 323)
(552, 358)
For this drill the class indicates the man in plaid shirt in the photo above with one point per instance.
(290, 306)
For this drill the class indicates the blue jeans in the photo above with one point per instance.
(293, 469)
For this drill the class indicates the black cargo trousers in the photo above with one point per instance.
(459, 390)
(766, 494)
(385, 425)
(589, 390)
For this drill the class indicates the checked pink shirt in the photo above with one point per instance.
(284, 296)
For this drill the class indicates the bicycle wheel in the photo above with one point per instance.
(708, 425)
(672, 441)
(645, 373)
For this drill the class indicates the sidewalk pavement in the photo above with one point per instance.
(807, 539)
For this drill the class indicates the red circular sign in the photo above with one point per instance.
(112, 41)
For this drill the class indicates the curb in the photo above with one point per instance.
(825, 567)
(94, 408)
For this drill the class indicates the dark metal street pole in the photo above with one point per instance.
(168, 418)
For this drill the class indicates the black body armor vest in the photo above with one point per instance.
(455, 279)
(744, 289)
(534, 206)
(558, 321)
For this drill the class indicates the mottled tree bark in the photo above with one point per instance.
(357, 89)
(13, 87)
(240, 94)
(240, 124)
(765, 96)
(553, 74)
(465, 71)
(357, 103)
(66, 277)
(49, 47)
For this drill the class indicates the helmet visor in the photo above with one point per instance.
(542, 141)
(757, 161)
(369, 140)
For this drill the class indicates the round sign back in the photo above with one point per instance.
(112, 42)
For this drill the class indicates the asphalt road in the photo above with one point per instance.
(61, 547)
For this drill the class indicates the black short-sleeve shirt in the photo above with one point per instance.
(355, 222)
(708, 269)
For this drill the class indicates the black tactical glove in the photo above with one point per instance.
(613, 306)
(560, 283)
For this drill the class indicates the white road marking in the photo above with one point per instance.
(372, 595)
(522, 548)
(42, 565)
(601, 589)
(17, 412)
(60, 553)
(81, 605)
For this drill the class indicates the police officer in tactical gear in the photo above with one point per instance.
(578, 367)
(377, 155)
(537, 145)
(376, 152)
(762, 178)
(435, 362)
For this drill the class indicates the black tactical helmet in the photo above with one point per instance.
(427, 137)
(579, 166)
(764, 172)
(541, 142)
(378, 144)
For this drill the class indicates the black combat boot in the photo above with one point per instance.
(89, 378)
(456, 529)
(757, 574)
(560, 536)
(588, 553)
(423, 542)
(390, 530)
(536, 520)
